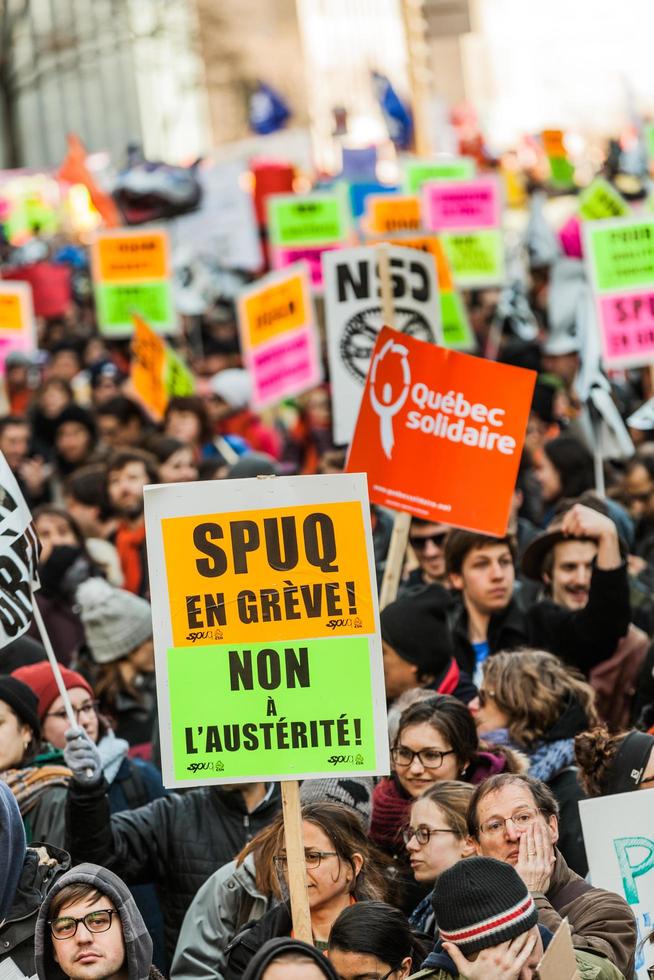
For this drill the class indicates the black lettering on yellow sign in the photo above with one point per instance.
(273, 605)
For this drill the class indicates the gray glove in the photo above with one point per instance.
(82, 758)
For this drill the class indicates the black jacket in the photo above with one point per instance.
(41, 869)
(177, 841)
(274, 923)
(581, 637)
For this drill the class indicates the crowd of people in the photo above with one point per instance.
(519, 678)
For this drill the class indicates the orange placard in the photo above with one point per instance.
(275, 310)
(440, 433)
(387, 213)
(553, 143)
(130, 257)
(431, 244)
(11, 312)
(147, 370)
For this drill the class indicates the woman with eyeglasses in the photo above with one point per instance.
(532, 701)
(436, 740)
(436, 837)
(342, 868)
(373, 940)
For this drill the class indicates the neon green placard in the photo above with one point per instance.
(117, 301)
(562, 172)
(418, 172)
(622, 254)
(601, 200)
(649, 140)
(306, 219)
(273, 708)
(476, 258)
(454, 322)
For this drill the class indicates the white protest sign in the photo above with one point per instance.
(353, 315)
(18, 557)
(619, 838)
(266, 630)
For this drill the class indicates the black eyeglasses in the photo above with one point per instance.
(65, 926)
(420, 543)
(424, 834)
(429, 758)
(88, 708)
(312, 859)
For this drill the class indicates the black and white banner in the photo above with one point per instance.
(18, 557)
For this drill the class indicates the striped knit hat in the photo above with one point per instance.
(481, 902)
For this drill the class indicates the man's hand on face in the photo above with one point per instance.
(584, 522)
(536, 858)
(503, 962)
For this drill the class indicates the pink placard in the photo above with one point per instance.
(461, 204)
(570, 238)
(628, 327)
(281, 257)
(284, 367)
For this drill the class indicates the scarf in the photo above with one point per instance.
(546, 759)
(29, 784)
(112, 751)
(128, 546)
(390, 812)
(423, 917)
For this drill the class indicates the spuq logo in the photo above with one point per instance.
(440, 433)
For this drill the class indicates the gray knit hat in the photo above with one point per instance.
(115, 621)
(353, 792)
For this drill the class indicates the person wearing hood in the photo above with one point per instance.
(89, 928)
(28, 874)
(231, 392)
(289, 959)
(532, 701)
(614, 763)
(422, 656)
(436, 740)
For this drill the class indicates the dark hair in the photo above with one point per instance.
(163, 447)
(50, 510)
(451, 718)
(8, 420)
(542, 794)
(86, 485)
(574, 464)
(124, 457)
(459, 544)
(645, 460)
(194, 404)
(73, 893)
(595, 752)
(376, 929)
(124, 409)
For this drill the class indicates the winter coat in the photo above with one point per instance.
(43, 865)
(138, 945)
(601, 922)
(225, 903)
(273, 925)
(177, 842)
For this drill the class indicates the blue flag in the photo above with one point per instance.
(268, 110)
(397, 114)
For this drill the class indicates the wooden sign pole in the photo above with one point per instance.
(297, 872)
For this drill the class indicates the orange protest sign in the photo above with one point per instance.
(11, 312)
(440, 433)
(147, 372)
(275, 310)
(387, 213)
(130, 256)
(431, 244)
(553, 143)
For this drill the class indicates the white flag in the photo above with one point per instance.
(18, 557)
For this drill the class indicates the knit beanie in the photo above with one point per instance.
(481, 902)
(23, 701)
(40, 678)
(416, 627)
(115, 621)
(355, 793)
(233, 386)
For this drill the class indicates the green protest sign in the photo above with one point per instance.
(455, 325)
(116, 303)
(306, 219)
(476, 257)
(600, 200)
(562, 172)
(649, 140)
(266, 630)
(418, 172)
(621, 253)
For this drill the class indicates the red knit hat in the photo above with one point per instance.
(42, 681)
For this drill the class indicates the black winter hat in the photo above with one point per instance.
(75, 413)
(23, 701)
(481, 902)
(274, 948)
(416, 627)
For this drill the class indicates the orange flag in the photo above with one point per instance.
(75, 171)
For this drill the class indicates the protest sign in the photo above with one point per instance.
(131, 274)
(264, 604)
(468, 215)
(620, 259)
(440, 433)
(388, 213)
(559, 961)
(17, 326)
(157, 373)
(417, 172)
(278, 336)
(601, 200)
(18, 557)
(562, 170)
(620, 849)
(353, 317)
(360, 192)
(303, 226)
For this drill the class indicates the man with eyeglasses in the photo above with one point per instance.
(89, 928)
(515, 818)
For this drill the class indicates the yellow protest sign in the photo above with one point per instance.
(275, 310)
(17, 325)
(388, 213)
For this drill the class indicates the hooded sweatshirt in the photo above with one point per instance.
(13, 847)
(276, 947)
(138, 945)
